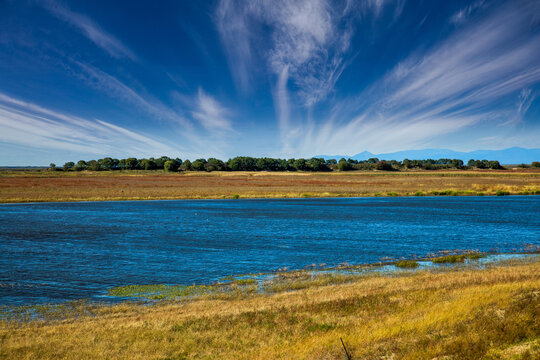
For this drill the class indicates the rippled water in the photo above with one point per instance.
(52, 252)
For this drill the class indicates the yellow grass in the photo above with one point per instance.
(463, 313)
(35, 186)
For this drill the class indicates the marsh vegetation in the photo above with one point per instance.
(450, 313)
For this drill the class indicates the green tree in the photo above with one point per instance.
(108, 163)
(198, 165)
(317, 164)
(160, 163)
(171, 165)
(383, 165)
(69, 166)
(131, 163)
(186, 165)
(81, 165)
(344, 165)
(235, 164)
(214, 165)
(494, 164)
(94, 165)
(147, 164)
(300, 164)
(52, 167)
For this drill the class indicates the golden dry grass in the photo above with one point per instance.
(34, 186)
(491, 313)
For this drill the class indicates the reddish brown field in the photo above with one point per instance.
(37, 186)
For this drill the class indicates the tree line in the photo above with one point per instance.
(246, 163)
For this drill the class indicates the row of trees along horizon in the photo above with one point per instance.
(245, 163)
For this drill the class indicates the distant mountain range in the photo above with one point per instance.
(513, 155)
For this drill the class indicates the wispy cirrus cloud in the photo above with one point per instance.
(31, 125)
(117, 89)
(464, 13)
(233, 22)
(89, 29)
(450, 87)
(304, 49)
(201, 110)
(210, 113)
(306, 37)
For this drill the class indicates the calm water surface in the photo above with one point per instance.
(52, 252)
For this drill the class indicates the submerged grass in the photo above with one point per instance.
(452, 259)
(453, 313)
(406, 264)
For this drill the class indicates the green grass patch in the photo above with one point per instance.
(245, 282)
(502, 193)
(406, 264)
(160, 291)
(452, 259)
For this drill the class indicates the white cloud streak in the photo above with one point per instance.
(31, 125)
(448, 88)
(206, 112)
(89, 29)
(232, 20)
(117, 89)
(304, 50)
(210, 113)
(464, 13)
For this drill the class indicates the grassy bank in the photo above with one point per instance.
(42, 186)
(457, 313)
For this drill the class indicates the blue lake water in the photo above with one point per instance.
(52, 252)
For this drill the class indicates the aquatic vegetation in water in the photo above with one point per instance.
(406, 264)
(67, 310)
(451, 259)
(163, 291)
(159, 291)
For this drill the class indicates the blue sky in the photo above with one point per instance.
(89, 79)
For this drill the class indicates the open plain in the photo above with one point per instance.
(43, 186)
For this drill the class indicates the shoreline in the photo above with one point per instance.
(443, 260)
(489, 312)
(270, 197)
